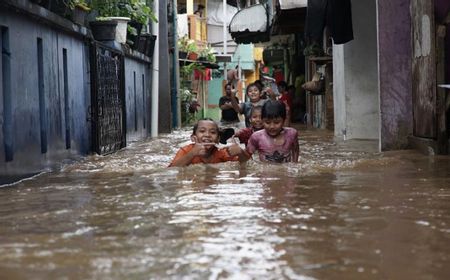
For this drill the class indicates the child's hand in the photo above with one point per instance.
(234, 149)
(201, 149)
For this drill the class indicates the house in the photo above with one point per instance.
(64, 94)
(209, 28)
(381, 85)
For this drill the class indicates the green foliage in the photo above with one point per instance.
(131, 30)
(108, 8)
(208, 53)
(78, 3)
(138, 10)
(187, 70)
(189, 106)
(187, 45)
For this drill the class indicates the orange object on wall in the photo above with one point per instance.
(202, 74)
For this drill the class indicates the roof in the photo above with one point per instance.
(292, 4)
(243, 30)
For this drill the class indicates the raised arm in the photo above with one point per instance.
(235, 105)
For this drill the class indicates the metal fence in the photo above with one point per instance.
(108, 99)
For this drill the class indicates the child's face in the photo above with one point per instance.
(228, 90)
(274, 126)
(281, 88)
(255, 120)
(253, 94)
(207, 132)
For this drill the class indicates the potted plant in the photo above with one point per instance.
(112, 10)
(207, 54)
(147, 44)
(59, 7)
(140, 14)
(189, 106)
(103, 29)
(187, 48)
(79, 9)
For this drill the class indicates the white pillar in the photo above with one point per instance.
(155, 75)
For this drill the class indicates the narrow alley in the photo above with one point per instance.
(345, 211)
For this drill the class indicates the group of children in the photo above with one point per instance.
(265, 132)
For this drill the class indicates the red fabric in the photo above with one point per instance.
(202, 74)
(218, 155)
(278, 75)
(287, 98)
(244, 134)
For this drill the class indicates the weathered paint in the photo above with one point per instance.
(165, 110)
(24, 32)
(394, 55)
(423, 69)
(23, 36)
(137, 99)
(215, 91)
(442, 9)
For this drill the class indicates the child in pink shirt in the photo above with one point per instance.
(274, 143)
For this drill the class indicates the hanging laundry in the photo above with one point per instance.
(334, 14)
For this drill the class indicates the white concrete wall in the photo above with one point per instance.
(355, 68)
(340, 115)
(215, 35)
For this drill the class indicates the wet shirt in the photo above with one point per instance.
(218, 155)
(268, 151)
(228, 115)
(244, 134)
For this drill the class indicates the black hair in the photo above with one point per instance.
(282, 84)
(204, 119)
(228, 84)
(260, 84)
(255, 108)
(251, 85)
(273, 109)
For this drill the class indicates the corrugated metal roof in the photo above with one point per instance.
(251, 19)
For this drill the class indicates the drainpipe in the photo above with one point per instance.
(224, 35)
(155, 75)
(176, 106)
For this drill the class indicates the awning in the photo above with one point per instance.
(292, 4)
(250, 25)
(290, 17)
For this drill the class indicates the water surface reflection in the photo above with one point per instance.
(344, 212)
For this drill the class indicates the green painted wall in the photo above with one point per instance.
(214, 91)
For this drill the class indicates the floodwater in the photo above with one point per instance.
(344, 212)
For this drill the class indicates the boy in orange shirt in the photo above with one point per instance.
(205, 137)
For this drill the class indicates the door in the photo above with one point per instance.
(107, 99)
(423, 68)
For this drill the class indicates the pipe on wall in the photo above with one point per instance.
(155, 75)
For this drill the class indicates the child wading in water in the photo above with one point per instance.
(274, 143)
(255, 125)
(254, 96)
(205, 137)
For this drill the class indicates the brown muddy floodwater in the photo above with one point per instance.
(344, 212)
